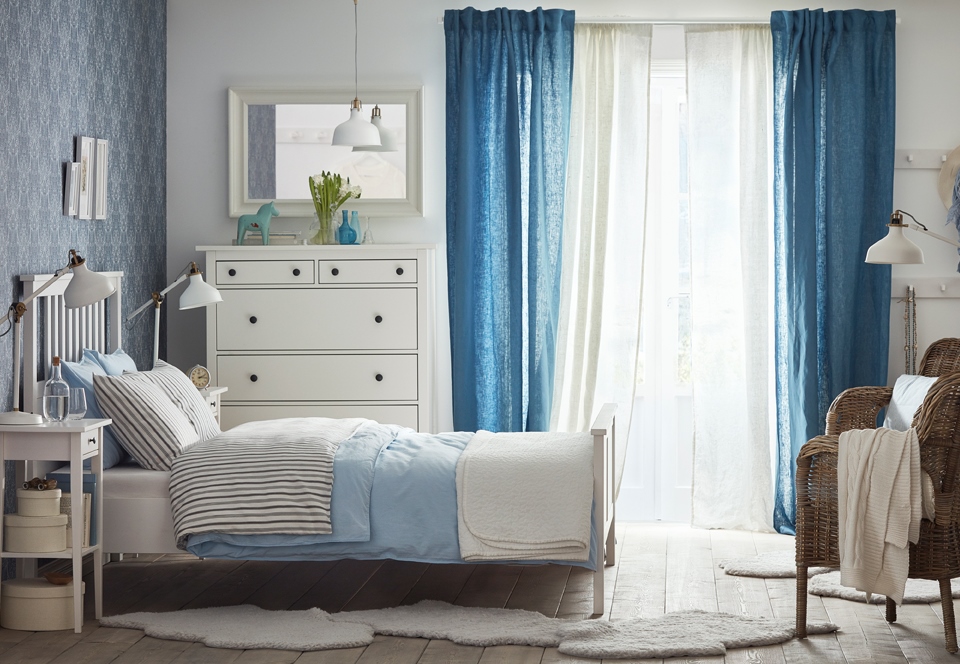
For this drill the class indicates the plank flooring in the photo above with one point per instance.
(661, 568)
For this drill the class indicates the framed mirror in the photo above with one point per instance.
(279, 137)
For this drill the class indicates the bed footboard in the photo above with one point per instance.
(603, 431)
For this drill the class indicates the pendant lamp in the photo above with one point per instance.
(356, 131)
(388, 143)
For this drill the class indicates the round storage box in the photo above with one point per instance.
(34, 534)
(36, 605)
(31, 502)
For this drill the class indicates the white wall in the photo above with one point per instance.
(216, 44)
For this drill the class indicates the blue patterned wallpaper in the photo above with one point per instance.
(92, 68)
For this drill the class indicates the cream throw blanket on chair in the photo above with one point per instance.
(879, 511)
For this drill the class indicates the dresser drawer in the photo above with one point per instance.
(318, 377)
(318, 319)
(406, 416)
(244, 273)
(402, 271)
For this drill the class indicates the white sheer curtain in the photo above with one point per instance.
(729, 91)
(603, 225)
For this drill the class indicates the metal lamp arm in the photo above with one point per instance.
(17, 309)
(926, 231)
(156, 298)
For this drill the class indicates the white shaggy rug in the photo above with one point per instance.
(248, 627)
(679, 634)
(768, 565)
(917, 591)
(683, 633)
(465, 625)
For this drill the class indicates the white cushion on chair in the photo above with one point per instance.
(908, 394)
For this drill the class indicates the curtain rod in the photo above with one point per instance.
(663, 21)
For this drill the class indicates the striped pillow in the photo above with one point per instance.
(151, 428)
(185, 396)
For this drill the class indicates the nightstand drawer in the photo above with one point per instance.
(268, 378)
(247, 273)
(402, 271)
(89, 444)
(318, 319)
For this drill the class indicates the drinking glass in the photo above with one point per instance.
(77, 404)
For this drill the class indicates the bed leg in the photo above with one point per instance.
(610, 555)
(598, 591)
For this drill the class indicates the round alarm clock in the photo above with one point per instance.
(200, 376)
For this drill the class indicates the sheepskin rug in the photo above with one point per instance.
(247, 627)
(917, 591)
(684, 633)
(768, 565)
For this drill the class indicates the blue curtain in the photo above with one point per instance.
(509, 81)
(834, 100)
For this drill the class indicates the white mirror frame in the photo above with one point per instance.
(240, 98)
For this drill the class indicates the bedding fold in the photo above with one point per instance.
(269, 477)
(525, 496)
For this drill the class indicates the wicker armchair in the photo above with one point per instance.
(936, 555)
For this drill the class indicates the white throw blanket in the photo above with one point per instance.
(525, 496)
(878, 482)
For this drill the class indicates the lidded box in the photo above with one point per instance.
(31, 502)
(34, 534)
(36, 605)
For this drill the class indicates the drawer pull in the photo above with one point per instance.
(92, 441)
(399, 271)
(253, 378)
(232, 272)
(379, 319)
(253, 319)
(379, 377)
(334, 271)
(296, 272)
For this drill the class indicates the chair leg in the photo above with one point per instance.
(801, 628)
(891, 611)
(949, 622)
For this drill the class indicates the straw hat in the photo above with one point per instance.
(948, 177)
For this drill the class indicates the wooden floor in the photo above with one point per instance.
(660, 568)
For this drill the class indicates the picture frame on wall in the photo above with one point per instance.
(85, 145)
(100, 179)
(71, 189)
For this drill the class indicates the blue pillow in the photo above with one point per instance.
(113, 364)
(80, 374)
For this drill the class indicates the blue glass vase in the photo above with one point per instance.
(347, 233)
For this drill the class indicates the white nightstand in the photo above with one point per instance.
(211, 394)
(72, 441)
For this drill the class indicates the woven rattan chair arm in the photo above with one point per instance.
(857, 408)
(819, 445)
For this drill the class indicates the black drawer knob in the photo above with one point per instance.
(253, 378)
(399, 271)
(334, 271)
(379, 319)
(379, 377)
(253, 319)
(232, 272)
(296, 272)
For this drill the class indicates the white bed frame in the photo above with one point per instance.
(145, 525)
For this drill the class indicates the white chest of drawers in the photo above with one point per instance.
(335, 331)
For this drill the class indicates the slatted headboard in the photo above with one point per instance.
(66, 332)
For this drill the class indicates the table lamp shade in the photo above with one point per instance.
(86, 287)
(199, 293)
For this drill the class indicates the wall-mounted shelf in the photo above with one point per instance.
(926, 287)
(932, 159)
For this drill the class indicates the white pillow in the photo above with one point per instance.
(150, 427)
(908, 394)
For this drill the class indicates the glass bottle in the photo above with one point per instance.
(56, 392)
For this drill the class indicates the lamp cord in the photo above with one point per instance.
(356, 53)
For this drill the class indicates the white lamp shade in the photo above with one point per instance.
(894, 249)
(86, 288)
(356, 131)
(388, 142)
(199, 293)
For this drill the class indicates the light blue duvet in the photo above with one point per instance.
(394, 496)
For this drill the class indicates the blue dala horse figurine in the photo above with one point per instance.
(257, 222)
